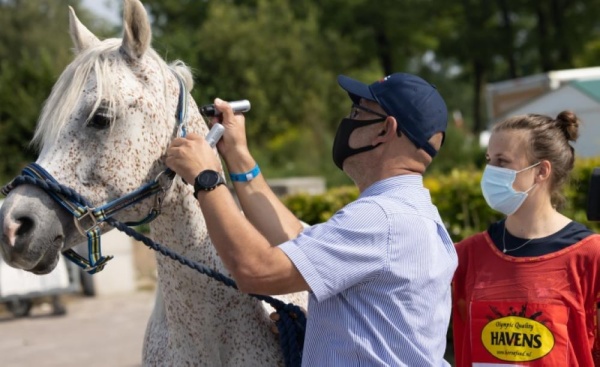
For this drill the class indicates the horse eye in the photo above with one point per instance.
(101, 120)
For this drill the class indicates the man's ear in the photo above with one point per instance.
(388, 130)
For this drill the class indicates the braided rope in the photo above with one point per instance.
(292, 320)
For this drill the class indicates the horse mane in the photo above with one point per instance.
(69, 88)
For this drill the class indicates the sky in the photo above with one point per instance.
(109, 9)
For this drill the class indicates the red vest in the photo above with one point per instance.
(526, 311)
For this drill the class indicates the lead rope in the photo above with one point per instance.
(292, 320)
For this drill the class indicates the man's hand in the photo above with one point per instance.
(191, 155)
(233, 146)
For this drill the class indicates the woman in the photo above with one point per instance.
(527, 290)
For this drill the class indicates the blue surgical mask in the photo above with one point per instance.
(497, 187)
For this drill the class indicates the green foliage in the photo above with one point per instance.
(314, 209)
(284, 56)
(34, 49)
(505, 39)
(386, 38)
(278, 59)
(21, 106)
(460, 150)
(458, 198)
(460, 202)
(27, 72)
(590, 54)
(576, 191)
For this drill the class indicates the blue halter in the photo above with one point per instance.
(89, 220)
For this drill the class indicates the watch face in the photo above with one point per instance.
(208, 179)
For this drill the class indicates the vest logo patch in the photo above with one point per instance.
(517, 339)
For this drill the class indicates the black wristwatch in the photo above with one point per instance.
(207, 180)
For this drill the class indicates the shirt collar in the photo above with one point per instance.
(392, 183)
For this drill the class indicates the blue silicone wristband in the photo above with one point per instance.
(245, 176)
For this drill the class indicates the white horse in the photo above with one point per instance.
(103, 132)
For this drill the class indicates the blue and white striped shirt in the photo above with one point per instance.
(379, 271)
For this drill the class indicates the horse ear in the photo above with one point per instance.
(81, 36)
(136, 29)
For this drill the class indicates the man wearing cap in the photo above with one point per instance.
(379, 271)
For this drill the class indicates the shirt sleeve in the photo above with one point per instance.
(349, 249)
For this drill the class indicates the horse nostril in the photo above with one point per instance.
(26, 225)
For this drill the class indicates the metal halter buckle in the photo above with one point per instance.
(167, 179)
(99, 266)
(89, 215)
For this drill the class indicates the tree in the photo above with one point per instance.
(284, 56)
(278, 59)
(34, 49)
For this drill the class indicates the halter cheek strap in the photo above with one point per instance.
(181, 115)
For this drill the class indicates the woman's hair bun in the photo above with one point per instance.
(568, 122)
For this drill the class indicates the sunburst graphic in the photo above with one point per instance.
(496, 314)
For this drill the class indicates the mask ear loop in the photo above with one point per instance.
(533, 165)
(529, 189)
(525, 169)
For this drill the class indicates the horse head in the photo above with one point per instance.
(103, 132)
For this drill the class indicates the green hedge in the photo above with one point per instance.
(457, 196)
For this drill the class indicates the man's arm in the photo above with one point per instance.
(251, 257)
(260, 205)
(256, 266)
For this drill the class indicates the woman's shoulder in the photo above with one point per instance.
(579, 232)
(579, 227)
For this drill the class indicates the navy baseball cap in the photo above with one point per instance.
(417, 105)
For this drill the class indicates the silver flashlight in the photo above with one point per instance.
(237, 106)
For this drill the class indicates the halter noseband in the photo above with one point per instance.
(89, 220)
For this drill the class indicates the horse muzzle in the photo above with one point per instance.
(31, 235)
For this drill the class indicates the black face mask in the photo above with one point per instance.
(341, 146)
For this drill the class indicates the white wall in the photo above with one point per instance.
(118, 275)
